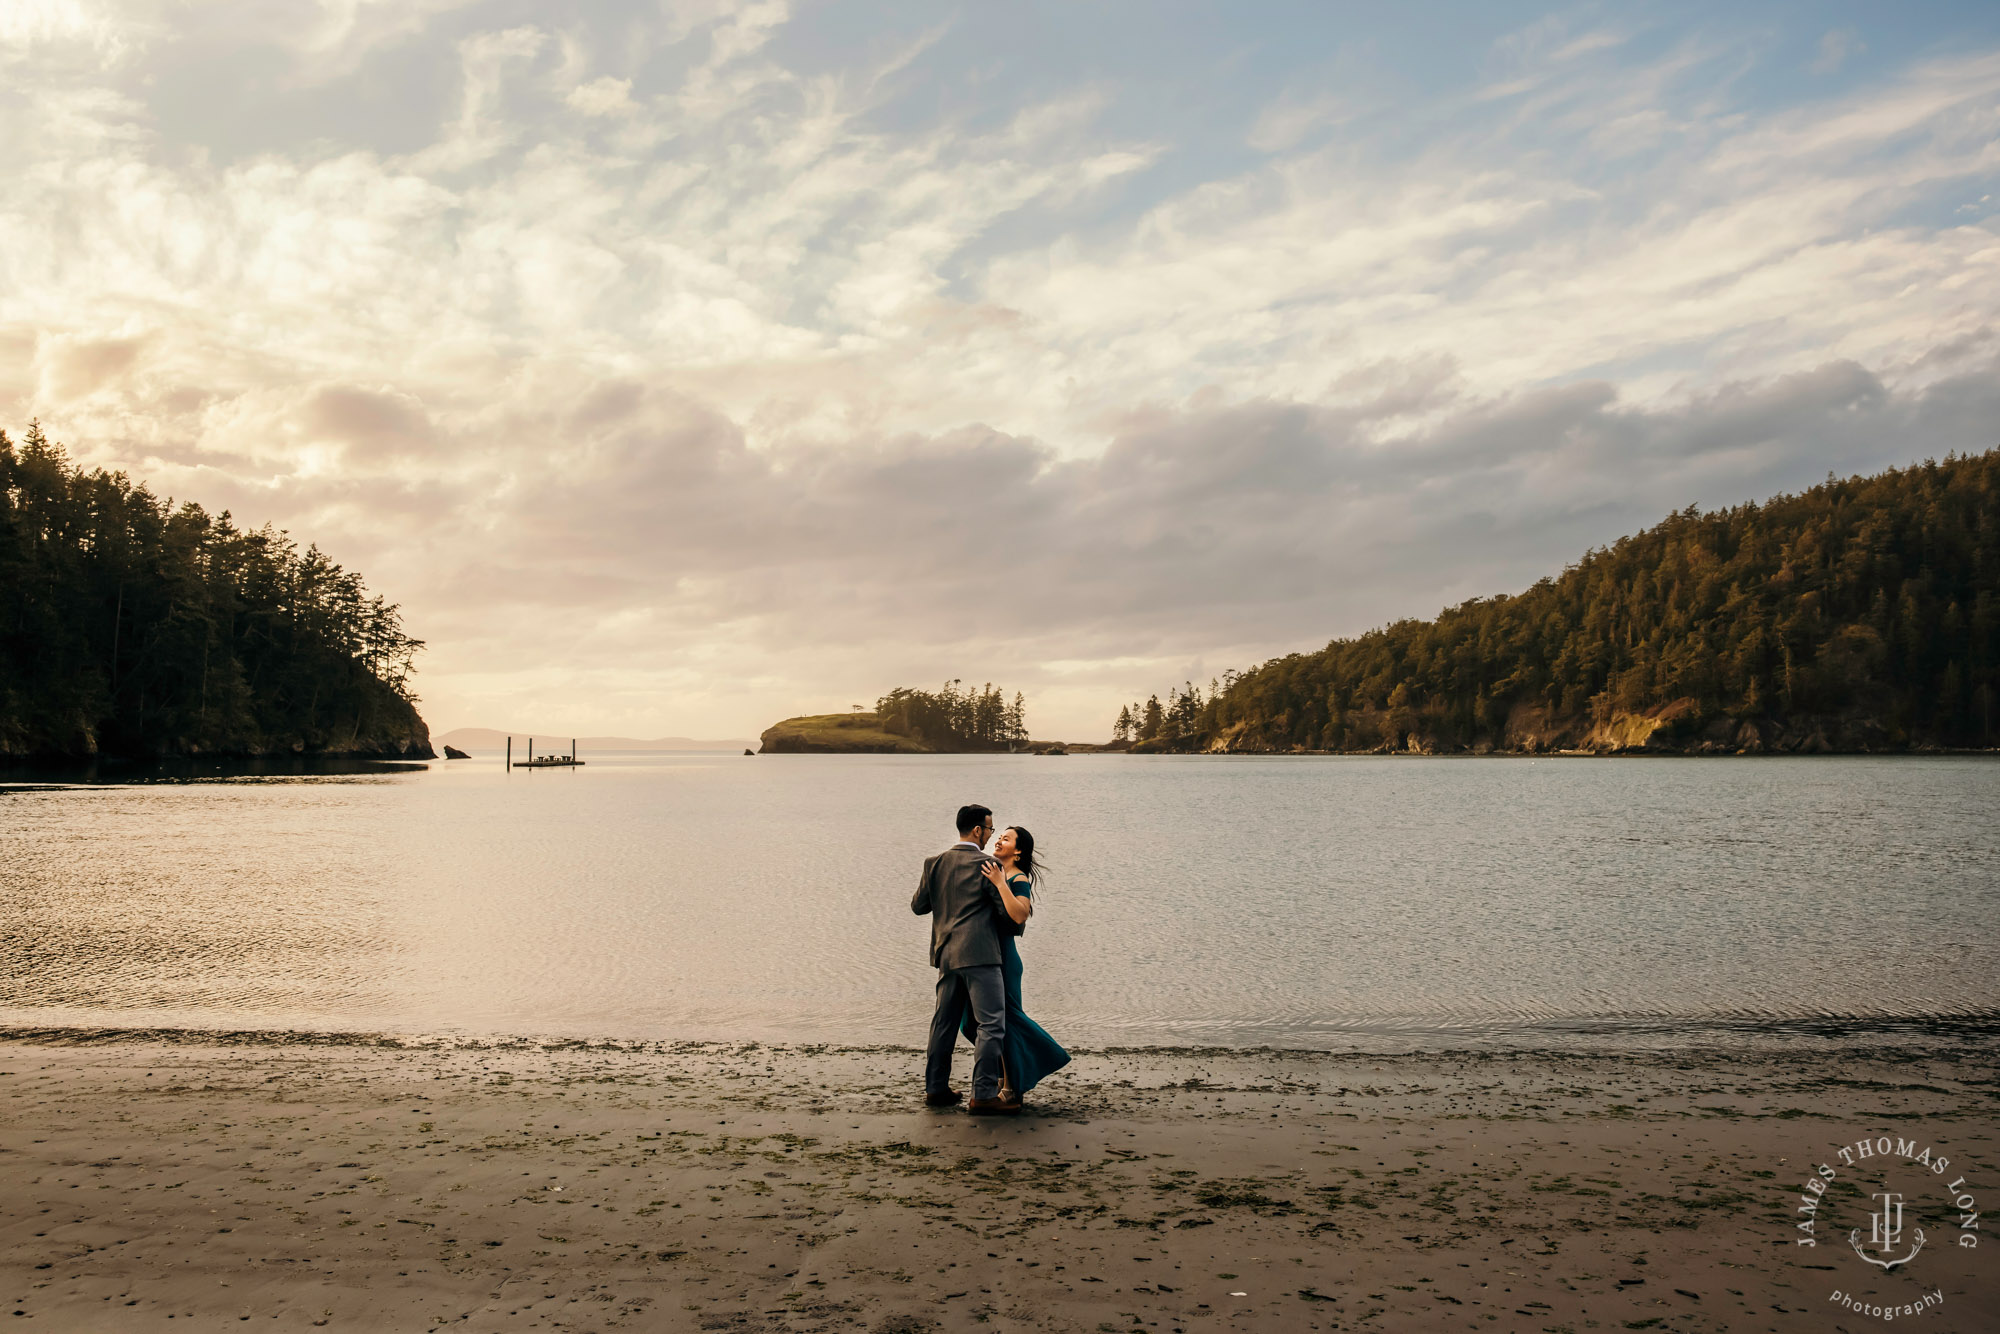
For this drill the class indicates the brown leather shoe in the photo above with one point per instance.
(992, 1107)
(948, 1098)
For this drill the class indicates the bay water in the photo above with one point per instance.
(1346, 902)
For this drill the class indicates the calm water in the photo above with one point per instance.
(1298, 901)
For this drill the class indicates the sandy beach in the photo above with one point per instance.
(290, 1181)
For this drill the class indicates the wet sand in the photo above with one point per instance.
(278, 1181)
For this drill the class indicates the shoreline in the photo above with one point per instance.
(372, 1181)
(47, 772)
(1632, 753)
(1720, 1036)
(1635, 753)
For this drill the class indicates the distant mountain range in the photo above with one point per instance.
(485, 738)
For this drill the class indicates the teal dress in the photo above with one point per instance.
(1030, 1053)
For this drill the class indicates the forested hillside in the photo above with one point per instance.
(133, 627)
(1860, 615)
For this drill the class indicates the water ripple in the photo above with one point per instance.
(1242, 901)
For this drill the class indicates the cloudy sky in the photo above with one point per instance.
(680, 366)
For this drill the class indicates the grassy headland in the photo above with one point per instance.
(838, 733)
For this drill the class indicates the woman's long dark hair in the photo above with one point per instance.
(1024, 844)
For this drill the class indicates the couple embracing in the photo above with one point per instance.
(979, 902)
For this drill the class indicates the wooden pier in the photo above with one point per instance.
(569, 761)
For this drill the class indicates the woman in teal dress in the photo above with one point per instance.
(1029, 1053)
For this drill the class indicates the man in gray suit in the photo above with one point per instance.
(966, 913)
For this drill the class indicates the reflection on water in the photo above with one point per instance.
(1301, 901)
(98, 769)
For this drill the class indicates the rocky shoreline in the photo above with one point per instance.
(411, 740)
(1678, 728)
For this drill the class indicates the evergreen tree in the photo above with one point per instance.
(1152, 720)
(1183, 715)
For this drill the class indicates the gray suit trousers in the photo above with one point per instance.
(986, 989)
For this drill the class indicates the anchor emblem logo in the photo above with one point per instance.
(1885, 1231)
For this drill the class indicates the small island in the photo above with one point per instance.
(952, 720)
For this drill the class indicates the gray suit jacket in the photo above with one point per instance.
(965, 909)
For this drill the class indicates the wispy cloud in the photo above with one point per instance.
(1836, 48)
(759, 377)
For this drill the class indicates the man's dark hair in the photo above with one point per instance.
(971, 817)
